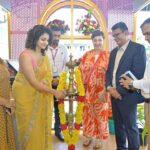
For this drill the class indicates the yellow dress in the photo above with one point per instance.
(34, 110)
(7, 138)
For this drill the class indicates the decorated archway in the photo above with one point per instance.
(55, 5)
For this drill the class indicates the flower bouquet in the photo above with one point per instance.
(86, 25)
(59, 23)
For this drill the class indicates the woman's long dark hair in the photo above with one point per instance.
(34, 34)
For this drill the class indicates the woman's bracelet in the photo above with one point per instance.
(11, 99)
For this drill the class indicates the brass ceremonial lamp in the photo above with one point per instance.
(71, 93)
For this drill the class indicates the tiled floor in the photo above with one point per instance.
(108, 145)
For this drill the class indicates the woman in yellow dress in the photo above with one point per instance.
(33, 92)
(7, 138)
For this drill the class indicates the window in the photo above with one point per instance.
(69, 11)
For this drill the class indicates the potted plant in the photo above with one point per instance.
(141, 125)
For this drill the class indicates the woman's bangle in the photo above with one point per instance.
(11, 99)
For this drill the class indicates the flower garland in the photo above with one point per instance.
(71, 141)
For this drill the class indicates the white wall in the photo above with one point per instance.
(4, 49)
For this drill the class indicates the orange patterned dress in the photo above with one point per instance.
(96, 111)
(7, 138)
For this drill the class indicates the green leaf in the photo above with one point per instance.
(144, 132)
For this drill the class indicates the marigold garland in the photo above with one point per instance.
(71, 141)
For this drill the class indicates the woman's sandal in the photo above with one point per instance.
(97, 144)
(87, 141)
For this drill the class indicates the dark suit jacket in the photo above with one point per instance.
(133, 59)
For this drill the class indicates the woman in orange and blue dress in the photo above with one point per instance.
(93, 66)
(7, 137)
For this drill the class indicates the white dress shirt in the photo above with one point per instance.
(119, 54)
(58, 58)
(144, 84)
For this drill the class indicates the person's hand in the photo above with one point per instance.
(10, 103)
(10, 106)
(114, 93)
(60, 94)
(102, 95)
(43, 81)
(77, 61)
(10, 110)
(55, 81)
(125, 81)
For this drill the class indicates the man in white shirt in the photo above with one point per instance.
(126, 56)
(57, 54)
(143, 84)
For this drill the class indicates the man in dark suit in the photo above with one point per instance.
(128, 56)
